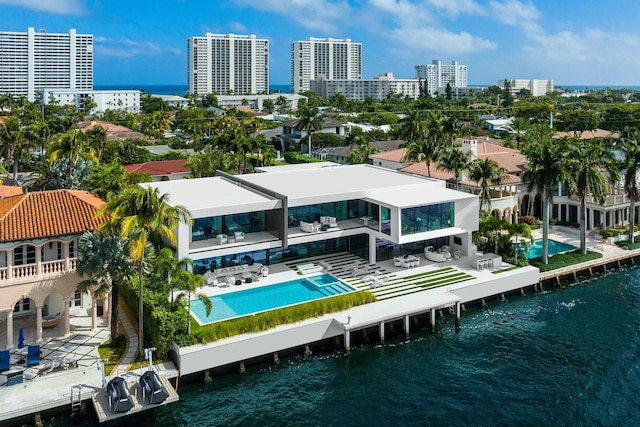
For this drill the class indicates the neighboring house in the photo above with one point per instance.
(160, 150)
(587, 134)
(115, 132)
(9, 191)
(341, 155)
(393, 159)
(499, 125)
(256, 102)
(267, 217)
(39, 235)
(505, 202)
(292, 136)
(174, 101)
(163, 170)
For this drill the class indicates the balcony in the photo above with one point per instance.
(612, 200)
(35, 270)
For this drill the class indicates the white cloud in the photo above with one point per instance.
(458, 7)
(432, 40)
(518, 14)
(61, 7)
(321, 15)
(126, 48)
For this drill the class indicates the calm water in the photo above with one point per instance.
(568, 357)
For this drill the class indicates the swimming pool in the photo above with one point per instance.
(555, 247)
(249, 301)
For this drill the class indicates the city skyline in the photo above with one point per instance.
(571, 42)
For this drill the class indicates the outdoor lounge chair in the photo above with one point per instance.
(5, 360)
(33, 355)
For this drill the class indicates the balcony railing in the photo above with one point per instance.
(611, 200)
(47, 268)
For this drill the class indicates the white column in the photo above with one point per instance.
(372, 249)
(406, 324)
(10, 329)
(10, 263)
(381, 332)
(39, 260)
(67, 317)
(347, 340)
(39, 323)
(94, 313)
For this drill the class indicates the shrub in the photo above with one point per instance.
(295, 157)
(527, 219)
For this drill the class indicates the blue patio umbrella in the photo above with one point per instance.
(21, 338)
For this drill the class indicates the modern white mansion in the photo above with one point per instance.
(275, 216)
(334, 58)
(225, 63)
(33, 61)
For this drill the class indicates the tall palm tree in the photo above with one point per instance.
(593, 165)
(518, 127)
(13, 142)
(310, 120)
(631, 166)
(493, 227)
(548, 165)
(487, 173)
(138, 213)
(423, 149)
(105, 260)
(412, 125)
(456, 162)
(189, 284)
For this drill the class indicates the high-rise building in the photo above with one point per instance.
(333, 58)
(228, 63)
(438, 75)
(32, 61)
(536, 87)
(378, 88)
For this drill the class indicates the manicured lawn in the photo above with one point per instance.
(564, 260)
(112, 355)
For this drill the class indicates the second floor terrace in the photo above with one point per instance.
(25, 261)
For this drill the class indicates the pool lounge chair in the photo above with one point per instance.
(309, 268)
(5, 360)
(33, 355)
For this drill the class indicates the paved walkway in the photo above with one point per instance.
(129, 327)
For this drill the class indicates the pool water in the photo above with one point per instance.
(264, 298)
(555, 247)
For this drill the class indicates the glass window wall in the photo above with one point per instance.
(425, 218)
(208, 228)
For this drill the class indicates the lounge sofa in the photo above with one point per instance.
(434, 256)
(331, 221)
(309, 227)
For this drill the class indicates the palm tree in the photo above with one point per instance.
(73, 144)
(487, 173)
(493, 227)
(189, 284)
(104, 258)
(456, 162)
(593, 166)
(518, 127)
(423, 149)
(548, 165)
(631, 166)
(138, 213)
(13, 142)
(310, 120)
(412, 125)
(518, 230)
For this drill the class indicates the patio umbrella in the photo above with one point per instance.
(21, 338)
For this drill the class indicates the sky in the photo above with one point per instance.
(572, 42)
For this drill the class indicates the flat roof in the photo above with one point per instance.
(297, 166)
(214, 196)
(336, 183)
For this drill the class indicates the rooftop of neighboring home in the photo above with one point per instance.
(513, 161)
(327, 122)
(587, 134)
(384, 146)
(160, 167)
(114, 132)
(42, 214)
(10, 190)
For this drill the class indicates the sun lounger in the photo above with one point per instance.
(309, 268)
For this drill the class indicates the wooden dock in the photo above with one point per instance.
(101, 401)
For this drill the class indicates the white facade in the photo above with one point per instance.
(333, 58)
(438, 75)
(32, 61)
(536, 87)
(255, 102)
(224, 63)
(124, 100)
(377, 88)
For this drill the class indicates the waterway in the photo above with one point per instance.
(564, 357)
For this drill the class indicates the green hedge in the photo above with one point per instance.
(270, 319)
(296, 157)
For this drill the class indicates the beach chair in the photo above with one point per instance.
(33, 355)
(5, 360)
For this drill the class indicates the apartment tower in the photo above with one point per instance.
(32, 61)
(333, 58)
(228, 64)
(438, 75)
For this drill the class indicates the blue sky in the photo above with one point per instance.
(573, 42)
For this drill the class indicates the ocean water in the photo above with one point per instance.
(564, 357)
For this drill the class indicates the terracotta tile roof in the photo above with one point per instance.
(52, 213)
(588, 134)
(392, 156)
(115, 132)
(10, 190)
(161, 167)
